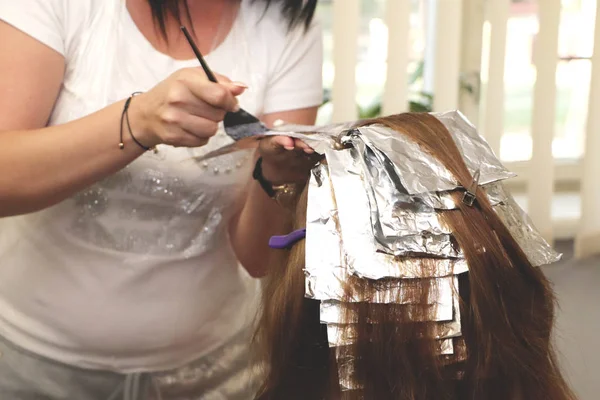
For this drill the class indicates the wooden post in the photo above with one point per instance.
(470, 70)
(395, 95)
(493, 115)
(346, 23)
(447, 55)
(541, 182)
(587, 241)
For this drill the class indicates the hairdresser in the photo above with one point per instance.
(120, 258)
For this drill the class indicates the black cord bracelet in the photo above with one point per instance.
(264, 183)
(125, 117)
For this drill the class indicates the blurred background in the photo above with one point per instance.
(480, 57)
(526, 74)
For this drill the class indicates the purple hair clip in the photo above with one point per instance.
(287, 241)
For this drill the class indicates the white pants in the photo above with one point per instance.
(225, 374)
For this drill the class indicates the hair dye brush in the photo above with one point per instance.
(240, 124)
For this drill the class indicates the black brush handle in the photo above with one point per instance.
(205, 67)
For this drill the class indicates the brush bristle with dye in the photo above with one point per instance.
(241, 124)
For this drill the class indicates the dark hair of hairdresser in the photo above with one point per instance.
(506, 305)
(294, 11)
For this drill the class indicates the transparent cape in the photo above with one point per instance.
(371, 214)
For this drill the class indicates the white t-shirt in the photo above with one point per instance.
(136, 273)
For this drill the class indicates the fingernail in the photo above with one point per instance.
(309, 151)
(237, 107)
(240, 84)
(288, 147)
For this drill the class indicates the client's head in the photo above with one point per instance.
(386, 338)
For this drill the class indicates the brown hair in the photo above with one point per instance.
(507, 314)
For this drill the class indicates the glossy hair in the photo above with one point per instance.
(507, 315)
(294, 11)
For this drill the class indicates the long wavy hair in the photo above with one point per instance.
(506, 305)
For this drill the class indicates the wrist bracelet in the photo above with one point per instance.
(125, 116)
(259, 177)
(284, 194)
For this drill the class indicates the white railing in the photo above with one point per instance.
(447, 44)
(395, 96)
(492, 122)
(588, 237)
(454, 48)
(541, 180)
(345, 34)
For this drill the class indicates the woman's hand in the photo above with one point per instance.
(184, 110)
(286, 159)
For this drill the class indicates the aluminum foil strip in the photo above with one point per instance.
(355, 222)
(536, 248)
(423, 244)
(403, 152)
(322, 268)
(331, 312)
(421, 172)
(417, 267)
(475, 150)
(387, 271)
(447, 311)
(326, 271)
(329, 129)
(325, 139)
(404, 221)
(446, 346)
(328, 265)
(495, 191)
(248, 143)
(384, 193)
(346, 376)
(460, 352)
(346, 365)
(353, 206)
(396, 215)
(327, 280)
(344, 335)
(319, 138)
(383, 189)
(473, 147)
(327, 289)
(323, 287)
